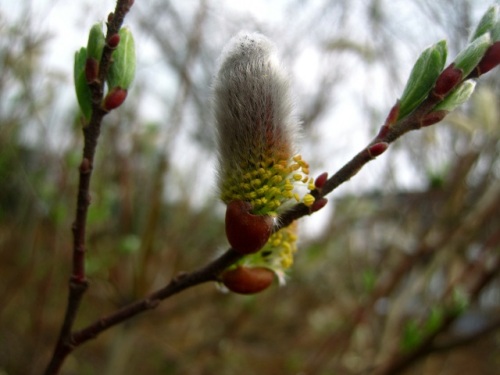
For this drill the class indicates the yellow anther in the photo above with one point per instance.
(296, 196)
(297, 177)
(256, 182)
(286, 262)
(308, 200)
(276, 179)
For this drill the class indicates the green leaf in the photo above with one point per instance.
(412, 336)
(122, 70)
(457, 97)
(422, 77)
(461, 301)
(469, 57)
(434, 321)
(96, 42)
(495, 31)
(487, 22)
(82, 89)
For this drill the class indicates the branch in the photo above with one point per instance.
(78, 282)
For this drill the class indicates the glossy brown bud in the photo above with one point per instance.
(114, 99)
(377, 149)
(113, 41)
(490, 59)
(447, 81)
(321, 180)
(245, 280)
(246, 233)
(319, 204)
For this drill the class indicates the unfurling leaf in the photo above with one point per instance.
(422, 77)
(82, 89)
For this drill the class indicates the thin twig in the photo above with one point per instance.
(78, 282)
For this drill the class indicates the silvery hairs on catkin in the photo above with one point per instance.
(253, 106)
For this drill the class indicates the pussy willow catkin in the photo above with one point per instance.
(256, 127)
(256, 131)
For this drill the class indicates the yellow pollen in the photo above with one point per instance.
(308, 200)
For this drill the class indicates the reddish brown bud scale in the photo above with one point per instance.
(318, 204)
(447, 81)
(245, 280)
(246, 233)
(91, 70)
(113, 41)
(393, 115)
(85, 166)
(377, 149)
(384, 129)
(433, 118)
(321, 180)
(111, 16)
(114, 99)
(490, 59)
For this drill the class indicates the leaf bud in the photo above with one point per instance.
(471, 55)
(83, 94)
(122, 70)
(114, 98)
(95, 43)
(457, 97)
(422, 77)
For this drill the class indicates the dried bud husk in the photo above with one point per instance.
(247, 280)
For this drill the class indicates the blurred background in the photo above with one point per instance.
(407, 250)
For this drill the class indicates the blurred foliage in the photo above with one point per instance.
(380, 275)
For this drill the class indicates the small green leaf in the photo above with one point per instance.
(82, 89)
(369, 280)
(457, 97)
(434, 321)
(130, 244)
(422, 77)
(487, 22)
(468, 58)
(460, 301)
(122, 70)
(495, 31)
(96, 42)
(412, 336)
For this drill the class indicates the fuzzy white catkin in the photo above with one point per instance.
(253, 106)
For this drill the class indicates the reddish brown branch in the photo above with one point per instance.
(78, 282)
